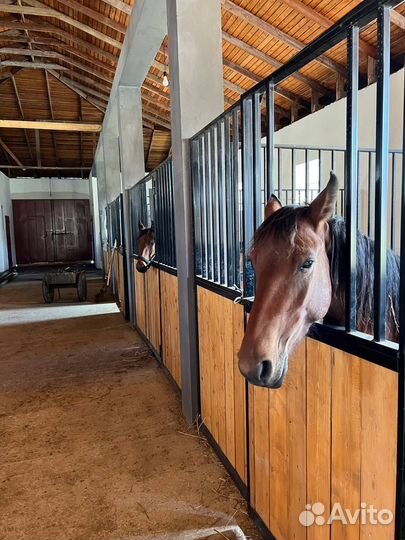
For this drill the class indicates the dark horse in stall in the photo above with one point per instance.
(298, 255)
(146, 247)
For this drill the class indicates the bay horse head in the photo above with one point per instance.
(293, 284)
(146, 247)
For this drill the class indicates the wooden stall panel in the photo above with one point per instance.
(169, 296)
(140, 300)
(364, 442)
(319, 395)
(223, 394)
(329, 436)
(107, 258)
(152, 307)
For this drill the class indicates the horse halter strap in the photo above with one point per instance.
(147, 262)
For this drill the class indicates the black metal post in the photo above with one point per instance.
(381, 179)
(351, 200)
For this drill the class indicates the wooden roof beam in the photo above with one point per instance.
(49, 126)
(324, 22)
(155, 120)
(51, 110)
(81, 90)
(11, 154)
(95, 15)
(33, 26)
(268, 28)
(40, 53)
(31, 65)
(58, 44)
(277, 89)
(121, 6)
(20, 107)
(44, 168)
(273, 62)
(38, 9)
(398, 19)
(150, 148)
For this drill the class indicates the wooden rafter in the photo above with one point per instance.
(273, 62)
(44, 168)
(40, 53)
(51, 110)
(118, 4)
(324, 22)
(398, 19)
(268, 28)
(33, 26)
(291, 96)
(81, 90)
(150, 147)
(20, 107)
(38, 9)
(94, 15)
(10, 153)
(47, 125)
(31, 65)
(38, 148)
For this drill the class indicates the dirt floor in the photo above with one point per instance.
(92, 440)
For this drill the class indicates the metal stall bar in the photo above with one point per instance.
(236, 197)
(223, 262)
(270, 141)
(248, 209)
(197, 182)
(257, 154)
(215, 205)
(229, 233)
(381, 179)
(204, 207)
(351, 188)
(173, 261)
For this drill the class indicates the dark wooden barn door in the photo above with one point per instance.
(52, 231)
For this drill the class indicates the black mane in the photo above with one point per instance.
(284, 224)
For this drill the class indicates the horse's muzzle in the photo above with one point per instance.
(262, 374)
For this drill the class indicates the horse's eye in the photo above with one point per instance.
(307, 265)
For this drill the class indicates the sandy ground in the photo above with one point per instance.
(92, 441)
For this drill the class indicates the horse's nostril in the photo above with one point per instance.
(265, 370)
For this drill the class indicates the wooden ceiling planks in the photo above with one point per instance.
(85, 39)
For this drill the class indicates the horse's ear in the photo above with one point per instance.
(273, 204)
(152, 226)
(323, 206)
(141, 226)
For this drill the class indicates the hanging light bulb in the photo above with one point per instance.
(165, 81)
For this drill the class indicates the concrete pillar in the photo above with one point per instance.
(112, 156)
(196, 78)
(130, 135)
(95, 211)
(130, 130)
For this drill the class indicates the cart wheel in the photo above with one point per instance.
(48, 292)
(82, 287)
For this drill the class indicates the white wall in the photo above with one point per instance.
(326, 128)
(6, 209)
(49, 188)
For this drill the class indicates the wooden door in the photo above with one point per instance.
(72, 230)
(52, 231)
(33, 231)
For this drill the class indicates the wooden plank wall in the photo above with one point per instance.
(140, 299)
(329, 436)
(106, 263)
(170, 325)
(223, 389)
(152, 307)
